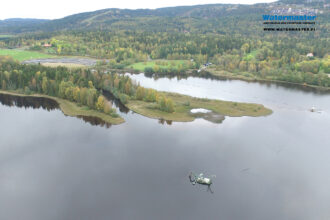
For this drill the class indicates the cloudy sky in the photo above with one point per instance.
(62, 8)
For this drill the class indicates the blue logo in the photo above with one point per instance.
(288, 18)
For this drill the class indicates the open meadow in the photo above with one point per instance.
(22, 55)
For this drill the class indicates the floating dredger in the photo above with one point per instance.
(200, 179)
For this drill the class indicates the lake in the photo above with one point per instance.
(274, 167)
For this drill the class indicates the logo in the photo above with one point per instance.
(288, 19)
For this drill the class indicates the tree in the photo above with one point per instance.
(312, 66)
(83, 96)
(69, 93)
(326, 66)
(243, 66)
(140, 93)
(4, 85)
(116, 83)
(151, 95)
(148, 70)
(91, 97)
(252, 67)
(107, 107)
(76, 94)
(128, 87)
(169, 105)
(90, 85)
(59, 49)
(44, 85)
(165, 104)
(156, 68)
(100, 103)
(33, 84)
(162, 103)
(245, 48)
(65, 89)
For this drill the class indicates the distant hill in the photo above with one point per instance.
(199, 18)
(162, 19)
(13, 25)
(306, 2)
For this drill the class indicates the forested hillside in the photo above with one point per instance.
(19, 25)
(216, 18)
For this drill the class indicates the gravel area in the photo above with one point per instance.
(81, 61)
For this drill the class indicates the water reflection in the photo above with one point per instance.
(29, 102)
(122, 108)
(163, 121)
(210, 116)
(273, 168)
(95, 121)
(269, 94)
(207, 75)
(46, 104)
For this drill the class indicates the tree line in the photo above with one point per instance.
(275, 56)
(82, 86)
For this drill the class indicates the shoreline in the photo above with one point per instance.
(149, 110)
(248, 79)
(190, 72)
(72, 109)
(224, 75)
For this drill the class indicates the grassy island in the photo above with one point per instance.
(183, 104)
(72, 109)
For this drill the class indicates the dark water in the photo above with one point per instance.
(28, 102)
(274, 167)
(46, 104)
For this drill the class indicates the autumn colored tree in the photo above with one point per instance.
(4, 85)
(44, 85)
(116, 83)
(83, 96)
(69, 93)
(107, 107)
(91, 97)
(100, 103)
(76, 94)
(140, 93)
(128, 87)
(156, 68)
(169, 105)
(150, 95)
(33, 84)
(90, 85)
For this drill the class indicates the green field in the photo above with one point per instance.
(5, 36)
(250, 55)
(22, 55)
(160, 63)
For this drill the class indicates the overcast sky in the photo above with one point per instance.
(61, 8)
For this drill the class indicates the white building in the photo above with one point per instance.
(310, 55)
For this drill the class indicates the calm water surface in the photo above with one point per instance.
(274, 167)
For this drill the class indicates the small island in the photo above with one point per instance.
(183, 105)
